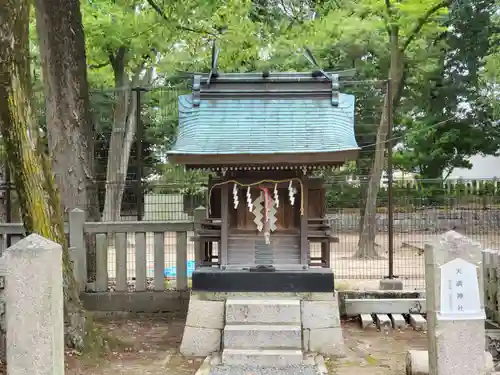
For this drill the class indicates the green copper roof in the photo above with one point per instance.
(219, 126)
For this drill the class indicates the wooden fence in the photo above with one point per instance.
(146, 242)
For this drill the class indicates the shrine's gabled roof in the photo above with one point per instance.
(277, 120)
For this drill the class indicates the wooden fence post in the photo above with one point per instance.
(101, 262)
(198, 216)
(181, 260)
(77, 244)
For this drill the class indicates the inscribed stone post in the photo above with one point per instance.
(455, 306)
(34, 307)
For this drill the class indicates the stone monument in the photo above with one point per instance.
(31, 273)
(455, 310)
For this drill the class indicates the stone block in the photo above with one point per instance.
(391, 284)
(200, 342)
(327, 341)
(205, 314)
(260, 311)
(262, 337)
(417, 363)
(418, 322)
(367, 321)
(398, 321)
(320, 314)
(262, 358)
(383, 322)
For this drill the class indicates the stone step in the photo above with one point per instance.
(245, 336)
(261, 311)
(262, 358)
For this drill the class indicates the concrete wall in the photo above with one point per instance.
(429, 221)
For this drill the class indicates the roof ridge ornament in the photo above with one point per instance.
(335, 90)
(215, 58)
(334, 78)
(310, 57)
(196, 90)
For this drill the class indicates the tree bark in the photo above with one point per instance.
(366, 246)
(38, 198)
(122, 136)
(69, 124)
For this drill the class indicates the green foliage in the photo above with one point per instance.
(175, 179)
(447, 119)
(442, 67)
(491, 73)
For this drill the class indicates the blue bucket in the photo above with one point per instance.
(171, 272)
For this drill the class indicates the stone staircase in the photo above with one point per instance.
(262, 332)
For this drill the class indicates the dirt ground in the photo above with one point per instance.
(150, 347)
(375, 353)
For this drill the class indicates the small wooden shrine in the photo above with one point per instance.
(265, 136)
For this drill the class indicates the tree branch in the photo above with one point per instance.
(162, 14)
(388, 7)
(422, 21)
(99, 66)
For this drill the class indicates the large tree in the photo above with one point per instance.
(448, 105)
(154, 40)
(70, 128)
(376, 38)
(404, 23)
(31, 171)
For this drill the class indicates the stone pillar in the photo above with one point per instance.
(34, 307)
(455, 306)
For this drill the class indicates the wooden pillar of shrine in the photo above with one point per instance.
(224, 226)
(304, 243)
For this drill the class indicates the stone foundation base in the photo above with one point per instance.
(319, 321)
(321, 330)
(203, 332)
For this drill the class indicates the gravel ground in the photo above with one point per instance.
(251, 370)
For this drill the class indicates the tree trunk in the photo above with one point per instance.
(39, 201)
(122, 136)
(69, 124)
(366, 245)
(114, 174)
